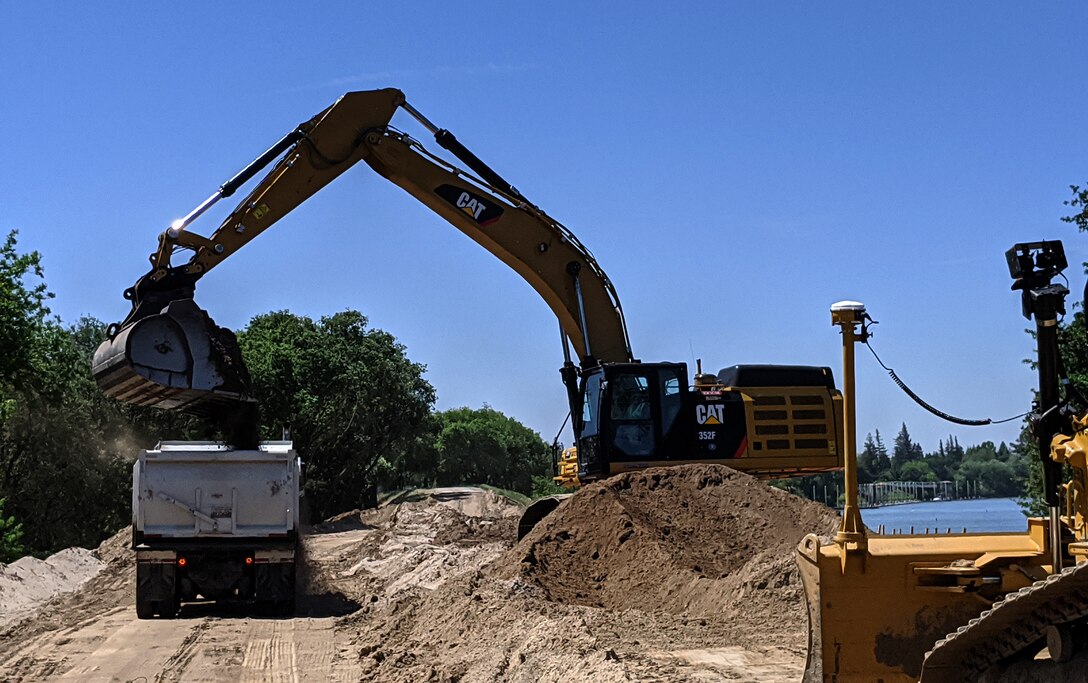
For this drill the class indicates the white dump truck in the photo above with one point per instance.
(210, 522)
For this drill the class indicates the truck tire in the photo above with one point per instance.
(286, 608)
(145, 609)
(168, 609)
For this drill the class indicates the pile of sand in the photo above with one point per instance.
(698, 540)
(430, 537)
(28, 582)
(624, 581)
(684, 573)
(105, 579)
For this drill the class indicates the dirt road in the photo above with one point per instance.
(93, 634)
(115, 646)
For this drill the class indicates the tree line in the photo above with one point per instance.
(995, 470)
(357, 408)
(986, 469)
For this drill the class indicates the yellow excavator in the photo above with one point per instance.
(950, 607)
(770, 420)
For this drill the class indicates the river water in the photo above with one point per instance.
(983, 514)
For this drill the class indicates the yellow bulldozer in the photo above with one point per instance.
(944, 607)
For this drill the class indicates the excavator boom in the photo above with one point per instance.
(169, 354)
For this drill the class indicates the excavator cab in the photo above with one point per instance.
(630, 413)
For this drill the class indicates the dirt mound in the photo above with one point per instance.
(28, 582)
(681, 573)
(426, 539)
(695, 539)
(109, 584)
(678, 574)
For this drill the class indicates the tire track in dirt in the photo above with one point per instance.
(113, 647)
(210, 649)
(175, 666)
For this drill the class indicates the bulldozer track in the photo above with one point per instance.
(1012, 624)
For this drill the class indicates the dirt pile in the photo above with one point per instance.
(677, 574)
(700, 540)
(108, 580)
(429, 538)
(666, 574)
(28, 582)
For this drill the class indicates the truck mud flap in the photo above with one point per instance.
(274, 581)
(156, 581)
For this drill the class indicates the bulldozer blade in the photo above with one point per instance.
(177, 359)
(808, 566)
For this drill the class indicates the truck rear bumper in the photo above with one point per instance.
(222, 571)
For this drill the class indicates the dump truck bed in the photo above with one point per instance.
(208, 491)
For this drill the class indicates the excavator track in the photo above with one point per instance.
(1012, 624)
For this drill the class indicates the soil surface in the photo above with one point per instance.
(663, 575)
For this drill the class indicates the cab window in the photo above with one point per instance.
(631, 413)
(670, 399)
(591, 404)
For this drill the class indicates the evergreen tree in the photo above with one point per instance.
(954, 451)
(867, 461)
(905, 450)
(882, 463)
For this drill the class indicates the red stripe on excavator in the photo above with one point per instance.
(742, 449)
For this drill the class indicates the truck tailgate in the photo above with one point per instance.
(188, 490)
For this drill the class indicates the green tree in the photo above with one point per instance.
(1079, 202)
(483, 446)
(346, 394)
(64, 451)
(22, 311)
(940, 463)
(1031, 499)
(916, 470)
(867, 461)
(882, 463)
(905, 450)
(55, 474)
(11, 537)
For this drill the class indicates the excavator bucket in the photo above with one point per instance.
(177, 359)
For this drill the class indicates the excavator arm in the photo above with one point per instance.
(168, 353)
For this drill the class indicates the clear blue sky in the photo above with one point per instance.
(735, 168)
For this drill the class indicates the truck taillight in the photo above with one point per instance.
(182, 562)
(249, 560)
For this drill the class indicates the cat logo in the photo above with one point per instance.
(477, 207)
(713, 414)
(469, 205)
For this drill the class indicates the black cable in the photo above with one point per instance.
(561, 428)
(939, 413)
